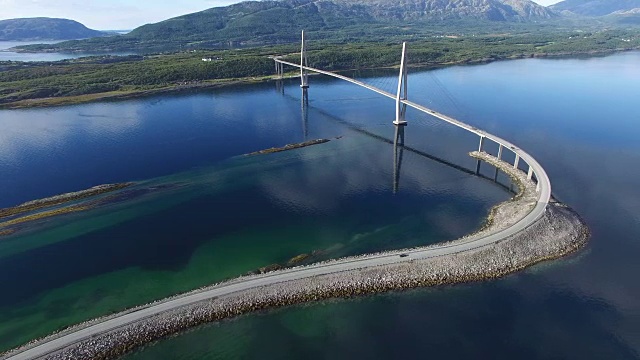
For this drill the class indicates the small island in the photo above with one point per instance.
(53, 206)
(60, 199)
(289, 147)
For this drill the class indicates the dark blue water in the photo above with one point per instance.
(580, 119)
(201, 211)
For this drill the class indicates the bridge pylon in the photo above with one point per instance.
(401, 108)
(304, 73)
(279, 68)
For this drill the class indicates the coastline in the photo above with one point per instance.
(219, 83)
(558, 233)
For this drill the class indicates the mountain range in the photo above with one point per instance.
(596, 7)
(27, 29)
(253, 23)
(280, 21)
(267, 17)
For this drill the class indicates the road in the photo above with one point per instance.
(273, 278)
(544, 194)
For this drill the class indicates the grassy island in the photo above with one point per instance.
(60, 199)
(52, 206)
(289, 147)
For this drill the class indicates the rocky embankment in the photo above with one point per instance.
(559, 232)
(504, 215)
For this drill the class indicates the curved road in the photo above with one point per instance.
(544, 194)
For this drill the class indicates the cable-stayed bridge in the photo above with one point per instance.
(98, 330)
(535, 171)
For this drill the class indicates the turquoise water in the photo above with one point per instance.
(579, 118)
(201, 211)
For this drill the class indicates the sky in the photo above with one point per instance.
(106, 14)
(115, 14)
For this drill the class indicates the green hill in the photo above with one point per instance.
(27, 29)
(270, 22)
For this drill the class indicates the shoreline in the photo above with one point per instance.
(559, 232)
(219, 83)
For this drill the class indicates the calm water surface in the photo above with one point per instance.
(202, 212)
(8, 55)
(579, 118)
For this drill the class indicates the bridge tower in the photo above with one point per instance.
(401, 108)
(279, 68)
(304, 73)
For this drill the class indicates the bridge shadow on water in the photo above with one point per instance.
(399, 145)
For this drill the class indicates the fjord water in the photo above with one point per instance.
(8, 55)
(579, 118)
(201, 212)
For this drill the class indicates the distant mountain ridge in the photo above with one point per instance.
(328, 13)
(27, 29)
(495, 10)
(265, 21)
(252, 23)
(597, 7)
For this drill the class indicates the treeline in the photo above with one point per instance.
(21, 81)
(436, 51)
(73, 78)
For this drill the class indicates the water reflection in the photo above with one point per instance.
(304, 106)
(398, 151)
(582, 307)
(280, 86)
(399, 147)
